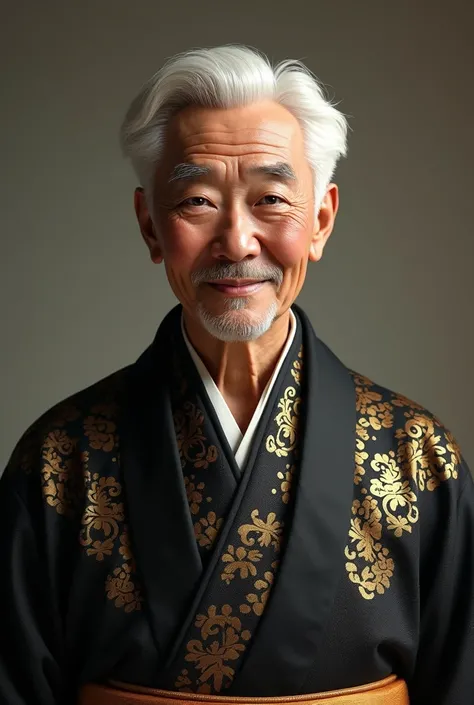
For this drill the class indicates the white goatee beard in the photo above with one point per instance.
(231, 328)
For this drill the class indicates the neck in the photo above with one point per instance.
(240, 370)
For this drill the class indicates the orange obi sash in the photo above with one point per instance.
(389, 691)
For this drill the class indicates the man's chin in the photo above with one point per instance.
(237, 323)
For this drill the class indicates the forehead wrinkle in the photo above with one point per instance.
(206, 150)
(265, 138)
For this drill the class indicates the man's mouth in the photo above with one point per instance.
(238, 287)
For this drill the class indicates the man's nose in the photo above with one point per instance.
(237, 237)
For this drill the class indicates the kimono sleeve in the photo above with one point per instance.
(445, 663)
(29, 671)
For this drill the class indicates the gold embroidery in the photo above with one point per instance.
(207, 529)
(367, 532)
(239, 560)
(71, 489)
(286, 438)
(121, 589)
(100, 429)
(257, 602)
(422, 454)
(61, 481)
(287, 419)
(379, 416)
(119, 586)
(362, 432)
(286, 482)
(400, 400)
(101, 515)
(270, 531)
(360, 458)
(217, 647)
(395, 492)
(183, 682)
(191, 441)
(426, 455)
(298, 367)
(221, 642)
(194, 493)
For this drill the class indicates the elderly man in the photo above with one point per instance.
(237, 514)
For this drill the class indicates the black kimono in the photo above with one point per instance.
(134, 549)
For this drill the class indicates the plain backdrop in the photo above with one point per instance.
(393, 296)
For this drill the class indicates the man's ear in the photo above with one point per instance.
(324, 223)
(147, 228)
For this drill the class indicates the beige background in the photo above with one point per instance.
(394, 294)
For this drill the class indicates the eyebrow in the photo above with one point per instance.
(282, 170)
(187, 171)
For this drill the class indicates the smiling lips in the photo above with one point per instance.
(237, 287)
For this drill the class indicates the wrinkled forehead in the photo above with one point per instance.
(258, 129)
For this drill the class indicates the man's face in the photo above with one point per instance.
(234, 216)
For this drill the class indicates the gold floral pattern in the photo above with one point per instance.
(240, 561)
(426, 455)
(257, 601)
(247, 564)
(194, 493)
(192, 443)
(286, 438)
(93, 498)
(120, 588)
(269, 531)
(207, 529)
(288, 418)
(286, 481)
(102, 516)
(61, 483)
(100, 428)
(222, 642)
(297, 368)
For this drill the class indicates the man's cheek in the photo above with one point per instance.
(290, 254)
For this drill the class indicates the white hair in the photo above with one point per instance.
(227, 77)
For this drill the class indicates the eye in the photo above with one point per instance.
(272, 200)
(195, 201)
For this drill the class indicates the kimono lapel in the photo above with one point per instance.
(161, 530)
(238, 580)
(291, 630)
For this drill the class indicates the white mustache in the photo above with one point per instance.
(238, 270)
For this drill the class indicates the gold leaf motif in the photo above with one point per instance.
(120, 588)
(426, 455)
(239, 561)
(221, 642)
(286, 482)
(297, 368)
(269, 531)
(190, 438)
(100, 430)
(101, 515)
(207, 529)
(374, 578)
(194, 493)
(71, 489)
(396, 493)
(287, 421)
(257, 602)
(217, 642)
(62, 480)
(402, 401)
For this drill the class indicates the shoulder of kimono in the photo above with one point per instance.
(405, 425)
(68, 417)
